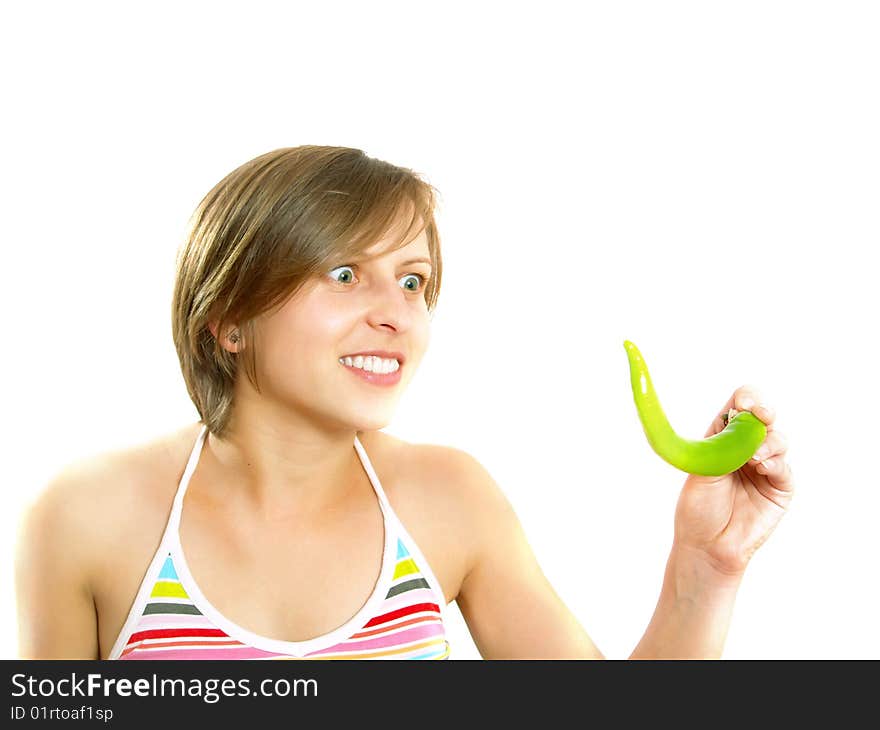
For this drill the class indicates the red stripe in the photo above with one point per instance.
(169, 633)
(415, 608)
(394, 627)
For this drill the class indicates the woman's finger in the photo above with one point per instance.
(778, 473)
(774, 446)
(744, 398)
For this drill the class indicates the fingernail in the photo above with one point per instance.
(747, 404)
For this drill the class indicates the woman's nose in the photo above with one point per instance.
(388, 307)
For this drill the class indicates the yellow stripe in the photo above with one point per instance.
(168, 589)
(373, 654)
(405, 567)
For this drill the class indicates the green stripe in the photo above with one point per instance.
(407, 586)
(171, 608)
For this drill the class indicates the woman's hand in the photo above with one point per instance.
(725, 519)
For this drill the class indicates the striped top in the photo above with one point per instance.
(170, 618)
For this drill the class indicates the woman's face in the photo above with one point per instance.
(376, 305)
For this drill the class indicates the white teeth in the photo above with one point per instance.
(372, 364)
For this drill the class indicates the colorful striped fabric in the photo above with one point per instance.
(171, 618)
(408, 625)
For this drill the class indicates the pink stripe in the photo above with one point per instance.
(178, 620)
(244, 652)
(406, 636)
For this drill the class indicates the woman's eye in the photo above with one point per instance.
(413, 282)
(342, 274)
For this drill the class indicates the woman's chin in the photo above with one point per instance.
(371, 424)
(372, 421)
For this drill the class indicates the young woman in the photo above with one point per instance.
(285, 523)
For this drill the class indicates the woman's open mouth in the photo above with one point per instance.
(373, 369)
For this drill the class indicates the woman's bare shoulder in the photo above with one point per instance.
(437, 474)
(441, 494)
(104, 492)
(84, 537)
(135, 466)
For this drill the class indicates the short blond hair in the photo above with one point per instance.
(267, 228)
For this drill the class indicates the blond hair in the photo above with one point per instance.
(262, 232)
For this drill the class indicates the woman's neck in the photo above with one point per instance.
(274, 465)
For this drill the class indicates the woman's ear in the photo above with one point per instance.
(232, 341)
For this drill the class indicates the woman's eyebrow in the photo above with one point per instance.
(416, 261)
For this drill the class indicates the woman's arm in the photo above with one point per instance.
(513, 612)
(56, 611)
(693, 612)
(509, 606)
(719, 524)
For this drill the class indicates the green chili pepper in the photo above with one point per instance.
(723, 453)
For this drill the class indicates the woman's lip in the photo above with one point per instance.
(375, 378)
(384, 354)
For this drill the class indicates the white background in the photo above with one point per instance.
(700, 178)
